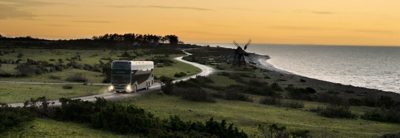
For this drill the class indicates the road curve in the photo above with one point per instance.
(205, 71)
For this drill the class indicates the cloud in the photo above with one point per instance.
(8, 12)
(16, 8)
(315, 12)
(284, 27)
(91, 21)
(322, 12)
(371, 31)
(29, 3)
(162, 7)
(211, 33)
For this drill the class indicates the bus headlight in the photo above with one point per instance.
(128, 88)
(111, 88)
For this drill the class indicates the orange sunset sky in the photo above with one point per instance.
(343, 22)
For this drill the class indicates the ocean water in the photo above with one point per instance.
(370, 67)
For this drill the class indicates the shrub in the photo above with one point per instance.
(330, 98)
(271, 101)
(167, 86)
(335, 111)
(394, 135)
(193, 94)
(67, 87)
(180, 74)
(385, 102)
(300, 93)
(78, 77)
(383, 115)
(355, 102)
(11, 117)
(276, 131)
(236, 96)
(295, 105)
(54, 77)
(129, 119)
(276, 87)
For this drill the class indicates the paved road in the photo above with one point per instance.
(205, 71)
(53, 83)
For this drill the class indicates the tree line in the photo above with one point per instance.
(102, 41)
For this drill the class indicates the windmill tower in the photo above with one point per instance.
(239, 57)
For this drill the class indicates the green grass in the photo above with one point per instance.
(90, 57)
(49, 128)
(248, 115)
(93, 77)
(8, 68)
(10, 93)
(177, 67)
(222, 81)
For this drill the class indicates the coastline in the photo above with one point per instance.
(288, 78)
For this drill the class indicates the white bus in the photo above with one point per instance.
(131, 76)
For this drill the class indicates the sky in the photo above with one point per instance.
(328, 22)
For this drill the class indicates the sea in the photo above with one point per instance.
(364, 66)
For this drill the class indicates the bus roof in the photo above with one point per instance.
(138, 65)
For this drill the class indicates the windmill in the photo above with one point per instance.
(240, 54)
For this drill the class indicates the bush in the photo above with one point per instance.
(271, 101)
(330, 98)
(335, 111)
(129, 119)
(276, 87)
(383, 115)
(295, 105)
(193, 94)
(394, 135)
(276, 131)
(355, 102)
(301, 93)
(386, 102)
(67, 87)
(278, 102)
(11, 117)
(236, 96)
(78, 77)
(180, 74)
(54, 77)
(167, 86)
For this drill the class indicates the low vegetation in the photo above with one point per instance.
(12, 117)
(116, 118)
(335, 111)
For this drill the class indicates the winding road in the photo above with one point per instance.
(112, 96)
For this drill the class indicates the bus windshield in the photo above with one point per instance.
(121, 65)
(120, 76)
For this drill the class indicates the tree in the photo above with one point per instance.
(172, 39)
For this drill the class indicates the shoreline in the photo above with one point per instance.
(288, 78)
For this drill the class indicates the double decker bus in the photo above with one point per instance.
(131, 76)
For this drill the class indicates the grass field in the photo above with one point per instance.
(93, 77)
(19, 93)
(90, 57)
(44, 128)
(248, 115)
(10, 93)
(176, 68)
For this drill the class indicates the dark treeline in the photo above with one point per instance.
(103, 41)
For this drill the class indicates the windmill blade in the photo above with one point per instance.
(234, 42)
(248, 43)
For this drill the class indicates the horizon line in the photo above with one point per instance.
(216, 43)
